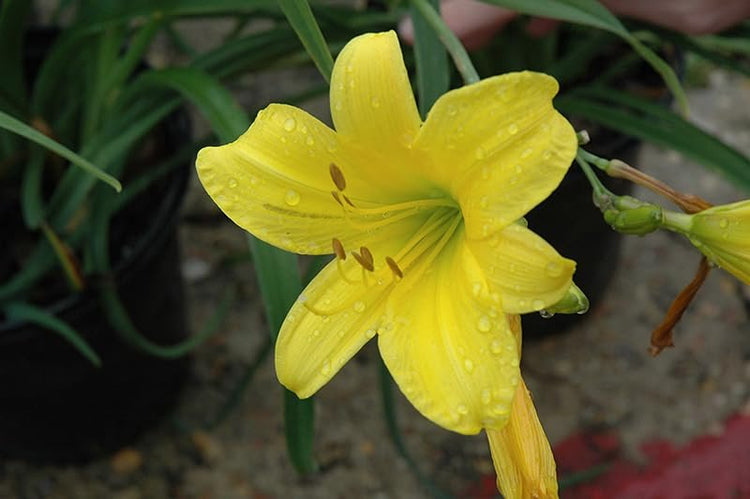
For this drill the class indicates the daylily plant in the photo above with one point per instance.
(425, 222)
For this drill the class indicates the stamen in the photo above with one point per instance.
(337, 176)
(365, 259)
(348, 201)
(367, 255)
(337, 198)
(338, 249)
(394, 267)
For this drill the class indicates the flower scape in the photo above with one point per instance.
(432, 255)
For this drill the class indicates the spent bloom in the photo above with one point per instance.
(424, 220)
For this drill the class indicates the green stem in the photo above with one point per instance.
(602, 195)
(450, 40)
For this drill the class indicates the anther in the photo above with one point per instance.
(364, 259)
(338, 248)
(368, 258)
(337, 177)
(336, 197)
(394, 267)
(348, 201)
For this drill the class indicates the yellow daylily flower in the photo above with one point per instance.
(421, 218)
(521, 453)
(722, 233)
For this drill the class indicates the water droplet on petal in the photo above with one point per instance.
(545, 314)
(526, 153)
(375, 102)
(537, 305)
(370, 333)
(452, 111)
(359, 306)
(254, 180)
(326, 369)
(468, 365)
(310, 141)
(316, 332)
(484, 325)
(462, 409)
(486, 396)
(479, 153)
(476, 289)
(496, 346)
(484, 202)
(547, 154)
(292, 198)
(290, 124)
(723, 223)
(512, 129)
(232, 182)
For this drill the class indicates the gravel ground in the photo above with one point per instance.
(597, 374)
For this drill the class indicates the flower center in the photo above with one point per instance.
(432, 236)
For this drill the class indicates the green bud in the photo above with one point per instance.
(639, 220)
(574, 302)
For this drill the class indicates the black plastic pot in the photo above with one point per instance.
(570, 222)
(54, 404)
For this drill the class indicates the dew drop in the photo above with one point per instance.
(479, 153)
(512, 129)
(326, 369)
(723, 223)
(486, 173)
(547, 154)
(462, 409)
(484, 202)
(232, 182)
(537, 305)
(359, 306)
(526, 153)
(452, 111)
(468, 365)
(290, 124)
(370, 333)
(553, 269)
(292, 198)
(476, 289)
(484, 325)
(254, 180)
(375, 102)
(310, 141)
(486, 396)
(545, 314)
(496, 346)
(316, 332)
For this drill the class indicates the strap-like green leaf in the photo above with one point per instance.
(40, 317)
(592, 13)
(303, 21)
(656, 124)
(10, 123)
(433, 72)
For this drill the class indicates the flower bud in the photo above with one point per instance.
(638, 220)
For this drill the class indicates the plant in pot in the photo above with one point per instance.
(95, 148)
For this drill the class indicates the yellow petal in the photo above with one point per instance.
(371, 98)
(524, 269)
(522, 455)
(499, 146)
(722, 233)
(275, 182)
(447, 346)
(336, 314)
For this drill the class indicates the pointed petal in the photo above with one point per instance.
(499, 146)
(524, 269)
(336, 314)
(275, 182)
(371, 97)
(447, 347)
(522, 455)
